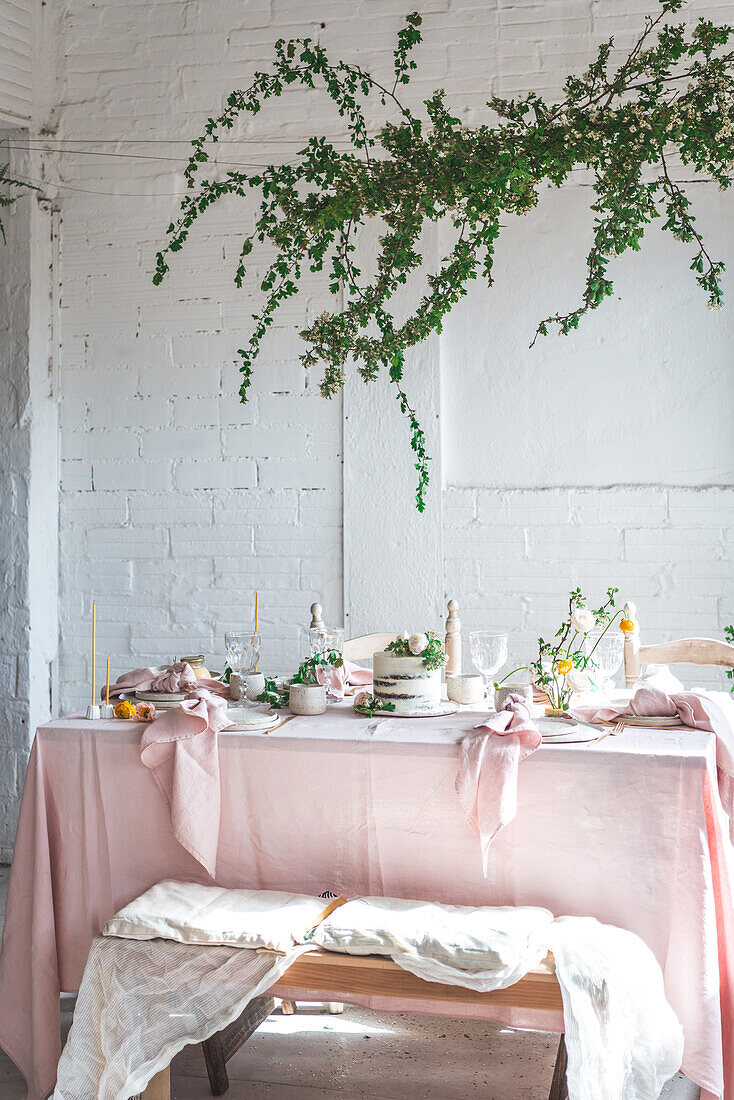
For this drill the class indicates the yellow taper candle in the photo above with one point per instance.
(107, 687)
(257, 609)
(94, 654)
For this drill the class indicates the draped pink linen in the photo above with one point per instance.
(630, 831)
(181, 752)
(486, 783)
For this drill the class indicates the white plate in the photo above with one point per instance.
(252, 721)
(443, 711)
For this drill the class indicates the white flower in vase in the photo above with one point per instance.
(583, 620)
(577, 680)
(417, 643)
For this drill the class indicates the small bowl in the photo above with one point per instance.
(307, 699)
(465, 688)
(254, 685)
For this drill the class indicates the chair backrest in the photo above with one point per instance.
(360, 649)
(684, 651)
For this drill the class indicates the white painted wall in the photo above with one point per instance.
(176, 503)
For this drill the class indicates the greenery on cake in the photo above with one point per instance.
(429, 646)
(628, 123)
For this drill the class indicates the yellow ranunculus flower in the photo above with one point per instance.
(125, 709)
(564, 666)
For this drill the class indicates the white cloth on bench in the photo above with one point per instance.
(142, 1001)
(492, 946)
(190, 913)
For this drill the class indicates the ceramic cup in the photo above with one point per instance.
(465, 688)
(501, 693)
(254, 685)
(307, 699)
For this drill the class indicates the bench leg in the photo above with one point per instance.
(288, 1008)
(159, 1087)
(219, 1048)
(559, 1085)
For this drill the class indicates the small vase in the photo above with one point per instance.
(555, 712)
(465, 689)
(307, 698)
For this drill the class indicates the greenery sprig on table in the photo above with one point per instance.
(729, 635)
(369, 705)
(429, 646)
(672, 95)
(306, 674)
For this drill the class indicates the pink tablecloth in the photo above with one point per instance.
(630, 831)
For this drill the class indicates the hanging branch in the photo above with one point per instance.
(7, 198)
(672, 94)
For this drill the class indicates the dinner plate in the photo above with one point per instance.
(251, 721)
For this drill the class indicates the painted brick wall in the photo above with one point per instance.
(176, 503)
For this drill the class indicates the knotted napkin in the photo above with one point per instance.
(339, 680)
(486, 783)
(180, 750)
(178, 678)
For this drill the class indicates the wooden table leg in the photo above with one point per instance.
(159, 1087)
(559, 1085)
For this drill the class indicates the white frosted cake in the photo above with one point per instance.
(406, 683)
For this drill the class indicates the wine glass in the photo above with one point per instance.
(488, 653)
(324, 640)
(243, 650)
(605, 652)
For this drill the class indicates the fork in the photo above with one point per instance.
(616, 728)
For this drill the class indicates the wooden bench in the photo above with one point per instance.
(327, 975)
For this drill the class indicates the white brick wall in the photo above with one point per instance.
(513, 554)
(177, 502)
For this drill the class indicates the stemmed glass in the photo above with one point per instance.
(243, 651)
(605, 651)
(324, 640)
(488, 653)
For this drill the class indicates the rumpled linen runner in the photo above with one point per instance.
(180, 750)
(142, 1001)
(703, 710)
(486, 783)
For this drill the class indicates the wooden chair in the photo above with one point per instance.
(684, 651)
(319, 975)
(366, 645)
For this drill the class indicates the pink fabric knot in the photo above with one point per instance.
(486, 783)
(339, 680)
(180, 750)
(179, 677)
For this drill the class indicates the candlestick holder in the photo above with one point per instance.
(107, 710)
(92, 711)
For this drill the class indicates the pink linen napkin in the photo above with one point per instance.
(703, 710)
(486, 783)
(179, 677)
(338, 681)
(180, 750)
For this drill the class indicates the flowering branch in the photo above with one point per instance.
(672, 94)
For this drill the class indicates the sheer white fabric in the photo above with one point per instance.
(492, 946)
(623, 1039)
(141, 1001)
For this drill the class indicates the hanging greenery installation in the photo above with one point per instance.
(671, 98)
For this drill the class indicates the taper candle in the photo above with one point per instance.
(107, 686)
(94, 654)
(257, 609)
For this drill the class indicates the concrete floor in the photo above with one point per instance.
(366, 1056)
